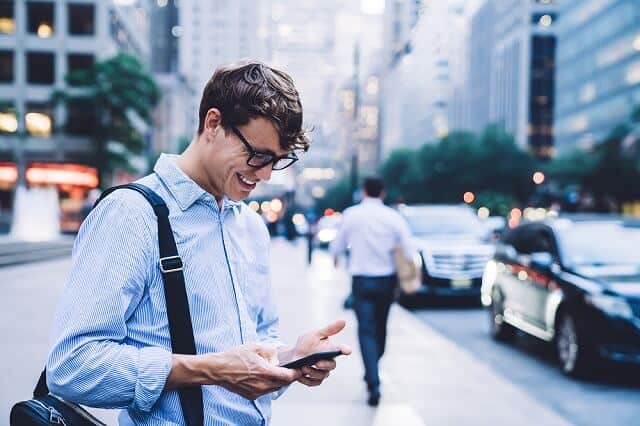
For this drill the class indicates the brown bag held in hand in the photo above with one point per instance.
(409, 272)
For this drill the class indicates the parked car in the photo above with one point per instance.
(454, 246)
(571, 281)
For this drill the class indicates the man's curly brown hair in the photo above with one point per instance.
(252, 89)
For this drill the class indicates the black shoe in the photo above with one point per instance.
(374, 398)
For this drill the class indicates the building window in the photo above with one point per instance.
(39, 120)
(78, 62)
(81, 19)
(40, 68)
(7, 22)
(8, 119)
(81, 118)
(40, 19)
(6, 66)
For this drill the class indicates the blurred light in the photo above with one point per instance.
(513, 222)
(538, 178)
(315, 173)
(545, 20)
(468, 197)
(372, 86)
(298, 219)
(276, 205)
(8, 174)
(483, 212)
(516, 213)
(272, 217)
(329, 212)
(318, 191)
(254, 205)
(44, 30)
(162, 3)
(176, 31)
(326, 235)
(38, 124)
(285, 31)
(636, 42)
(62, 175)
(522, 275)
(265, 206)
(7, 25)
(8, 122)
(125, 2)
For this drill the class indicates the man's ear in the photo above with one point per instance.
(212, 120)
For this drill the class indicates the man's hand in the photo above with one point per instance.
(316, 341)
(249, 370)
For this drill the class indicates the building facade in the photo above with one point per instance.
(40, 42)
(212, 33)
(598, 77)
(522, 71)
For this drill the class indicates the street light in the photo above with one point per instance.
(468, 197)
(538, 178)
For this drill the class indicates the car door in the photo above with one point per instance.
(540, 278)
(509, 272)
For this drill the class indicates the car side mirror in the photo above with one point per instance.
(541, 260)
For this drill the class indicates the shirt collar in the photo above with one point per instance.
(371, 200)
(182, 187)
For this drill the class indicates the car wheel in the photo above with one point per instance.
(499, 329)
(573, 353)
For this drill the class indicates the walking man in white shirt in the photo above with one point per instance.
(372, 231)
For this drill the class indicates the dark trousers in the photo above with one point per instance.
(372, 298)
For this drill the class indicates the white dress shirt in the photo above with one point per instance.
(371, 231)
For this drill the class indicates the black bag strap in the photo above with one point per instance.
(175, 293)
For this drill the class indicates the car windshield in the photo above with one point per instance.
(599, 244)
(442, 221)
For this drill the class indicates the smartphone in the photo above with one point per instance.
(311, 359)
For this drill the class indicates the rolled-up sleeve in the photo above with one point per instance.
(91, 361)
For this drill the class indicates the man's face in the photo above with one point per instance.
(228, 170)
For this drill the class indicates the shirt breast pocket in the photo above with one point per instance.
(255, 287)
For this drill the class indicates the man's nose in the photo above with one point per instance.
(264, 173)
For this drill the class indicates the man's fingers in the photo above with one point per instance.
(332, 329)
(309, 382)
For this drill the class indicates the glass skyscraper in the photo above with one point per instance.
(598, 69)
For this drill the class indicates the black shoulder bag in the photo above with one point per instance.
(48, 409)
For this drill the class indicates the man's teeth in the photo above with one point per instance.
(245, 180)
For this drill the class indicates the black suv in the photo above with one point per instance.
(573, 281)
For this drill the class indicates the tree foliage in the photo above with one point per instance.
(118, 96)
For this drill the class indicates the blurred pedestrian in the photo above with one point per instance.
(112, 345)
(372, 231)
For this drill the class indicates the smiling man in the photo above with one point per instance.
(112, 346)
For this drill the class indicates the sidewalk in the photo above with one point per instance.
(426, 379)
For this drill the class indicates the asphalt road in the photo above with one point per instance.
(610, 397)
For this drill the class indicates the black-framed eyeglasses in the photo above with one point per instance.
(259, 159)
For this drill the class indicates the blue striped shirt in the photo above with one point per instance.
(111, 346)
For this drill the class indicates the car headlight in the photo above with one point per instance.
(327, 235)
(612, 305)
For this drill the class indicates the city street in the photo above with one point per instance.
(440, 367)
(531, 365)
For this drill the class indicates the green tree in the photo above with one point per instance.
(118, 95)
(337, 197)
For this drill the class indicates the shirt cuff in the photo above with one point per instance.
(154, 366)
